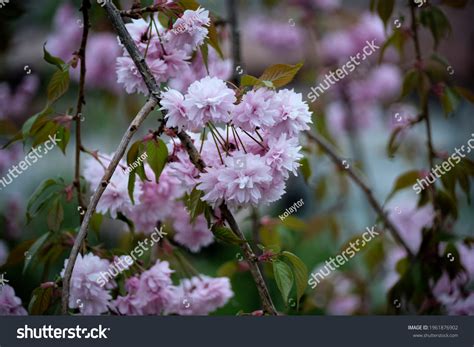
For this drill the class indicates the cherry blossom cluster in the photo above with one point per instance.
(150, 293)
(251, 156)
(168, 52)
(154, 202)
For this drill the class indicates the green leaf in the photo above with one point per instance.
(34, 249)
(393, 144)
(409, 82)
(58, 62)
(450, 100)
(96, 222)
(294, 223)
(189, 4)
(300, 272)
(305, 169)
(436, 21)
(157, 156)
(447, 204)
(403, 181)
(40, 301)
(385, 9)
(397, 40)
(226, 235)
(163, 19)
(214, 40)
(58, 85)
(194, 204)
(205, 55)
(63, 136)
(32, 124)
(131, 186)
(55, 215)
(43, 134)
(465, 93)
(38, 197)
(280, 74)
(283, 278)
(132, 156)
(249, 81)
(227, 269)
(270, 238)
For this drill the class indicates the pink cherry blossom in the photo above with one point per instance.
(66, 36)
(293, 113)
(241, 182)
(209, 100)
(14, 103)
(276, 35)
(154, 292)
(201, 295)
(102, 52)
(130, 77)
(410, 221)
(255, 110)
(190, 30)
(172, 101)
(115, 198)
(10, 304)
(283, 155)
(156, 200)
(85, 291)
(126, 305)
(183, 170)
(193, 235)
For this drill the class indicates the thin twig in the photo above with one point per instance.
(425, 107)
(328, 149)
(81, 100)
(136, 13)
(232, 12)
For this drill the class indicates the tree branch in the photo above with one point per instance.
(80, 102)
(136, 13)
(138, 120)
(234, 27)
(125, 38)
(139, 61)
(328, 149)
